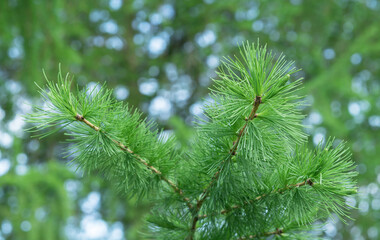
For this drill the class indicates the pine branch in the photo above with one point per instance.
(278, 231)
(205, 193)
(140, 159)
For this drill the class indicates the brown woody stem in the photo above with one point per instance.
(140, 159)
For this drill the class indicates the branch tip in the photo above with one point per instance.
(308, 181)
(79, 117)
(258, 100)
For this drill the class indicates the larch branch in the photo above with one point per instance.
(280, 190)
(206, 191)
(140, 159)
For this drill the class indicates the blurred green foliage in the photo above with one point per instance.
(36, 200)
(159, 56)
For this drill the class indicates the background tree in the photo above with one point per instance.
(153, 51)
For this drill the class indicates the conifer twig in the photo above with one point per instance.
(140, 159)
(280, 190)
(206, 191)
(278, 231)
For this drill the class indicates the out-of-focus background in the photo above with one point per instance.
(159, 56)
